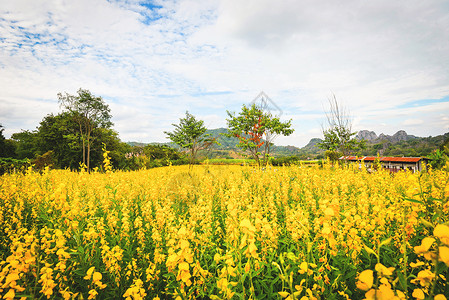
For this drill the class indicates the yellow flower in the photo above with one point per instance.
(10, 278)
(284, 294)
(365, 281)
(329, 212)
(440, 297)
(89, 273)
(442, 232)
(135, 291)
(247, 267)
(426, 243)
(418, 294)
(384, 271)
(92, 294)
(417, 264)
(97, 276)
(183, 266)
(304, 267)
(326, 230)
(9, 295)
(424, 278)
(444, 255)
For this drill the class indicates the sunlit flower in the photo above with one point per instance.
(426, 243)
(418, 294)
(424, 278)
(442, 232)
(443, 253)
(365, 281)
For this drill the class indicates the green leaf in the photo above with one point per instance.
(414, 201)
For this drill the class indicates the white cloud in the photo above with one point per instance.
(412, 122)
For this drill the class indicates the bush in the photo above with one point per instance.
(286, 160)
(8, 165)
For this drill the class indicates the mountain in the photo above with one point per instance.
(399, 136)
(226, 146)
(313, 143)
(371, 136)
(366, 135)
(398, 144)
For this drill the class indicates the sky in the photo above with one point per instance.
(386, 62)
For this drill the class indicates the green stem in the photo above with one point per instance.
(404, 249)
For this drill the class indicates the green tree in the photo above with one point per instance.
(256, 129)
(6, 146)
(338, 134)
(438, 159)
(190, 134)
(89, 112)
(109, 138)
(26, 143)
(332, 155)
(59, 134)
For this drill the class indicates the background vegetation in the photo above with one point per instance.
(59, 139)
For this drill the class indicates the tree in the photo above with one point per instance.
(89, 112)
(7, 148)
(190, 134)
(25, 142)
(338, 135)
(256, 129)
(58, 134)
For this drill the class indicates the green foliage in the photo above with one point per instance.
(45, 160)
(25, 143)
(332, 155)
(152, 156)
(224, 142)
(438, 159)
(414, 147)
(8, 165)
(90, 113)
(256, 130)
(340, 139)
(285, 161)
(161, 152)
(58, 133)
(229, 161)
(190, 134)
(6, 146)
(60, 136)
(339, 136)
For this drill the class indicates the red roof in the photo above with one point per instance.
(383, 158)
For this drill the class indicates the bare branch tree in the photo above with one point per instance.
(338, 135)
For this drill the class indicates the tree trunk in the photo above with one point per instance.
(84, 151)
(88, 152)
(84, 145)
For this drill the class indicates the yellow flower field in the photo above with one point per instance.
(224, 232)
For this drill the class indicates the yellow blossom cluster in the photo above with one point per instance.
(224, 232)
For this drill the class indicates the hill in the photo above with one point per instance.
(398, 144)
(227, 146)
(371, 136)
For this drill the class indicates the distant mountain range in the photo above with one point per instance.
(398, 144)
(371, 136)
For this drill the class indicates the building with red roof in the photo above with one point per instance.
(393, 164)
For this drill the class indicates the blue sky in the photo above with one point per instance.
(387, 62)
